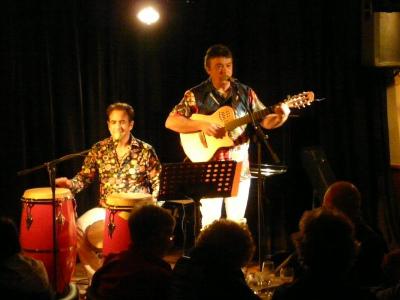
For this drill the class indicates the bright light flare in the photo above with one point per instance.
(148, 15)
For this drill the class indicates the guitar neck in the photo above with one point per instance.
(258, 115)
(297, 101)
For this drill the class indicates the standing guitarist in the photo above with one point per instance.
(222, 90)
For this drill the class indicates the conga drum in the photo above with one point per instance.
(118, 208)
(36, 232)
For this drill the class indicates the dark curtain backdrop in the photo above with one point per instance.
(66, 61)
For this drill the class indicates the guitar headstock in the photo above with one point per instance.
(300, 100)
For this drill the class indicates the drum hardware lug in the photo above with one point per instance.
(111, 228)
(29, 219)
(111, 225)
(60, 219)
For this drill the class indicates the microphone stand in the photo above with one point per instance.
(51, 169)
(261, 137)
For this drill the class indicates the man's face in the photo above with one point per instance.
(220, 69)
(119, 124)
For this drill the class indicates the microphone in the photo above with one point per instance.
(233, 80)
(234, 84)
(116, 136)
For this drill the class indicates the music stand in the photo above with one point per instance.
(213, 179)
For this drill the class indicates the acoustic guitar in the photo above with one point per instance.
(200, 147)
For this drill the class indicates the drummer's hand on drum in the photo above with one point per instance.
(63, 182)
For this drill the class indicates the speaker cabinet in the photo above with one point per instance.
(380, 36)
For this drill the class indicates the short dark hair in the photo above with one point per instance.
(326, 240)
(217, 50)
(148, 223)
(121, 106)
(228, 242)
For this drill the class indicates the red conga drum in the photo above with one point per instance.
(36, 232)
(116, 231)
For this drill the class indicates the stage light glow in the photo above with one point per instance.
(148, 15)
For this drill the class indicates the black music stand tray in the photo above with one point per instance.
(194, 181)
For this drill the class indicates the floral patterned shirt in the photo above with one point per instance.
(138, 172)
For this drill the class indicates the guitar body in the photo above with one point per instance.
(200, 147)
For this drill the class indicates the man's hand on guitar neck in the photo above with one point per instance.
(276, 119)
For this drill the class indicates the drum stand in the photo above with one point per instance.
(214, 179)
(51, 169)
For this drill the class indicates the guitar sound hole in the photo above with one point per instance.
(225, 115)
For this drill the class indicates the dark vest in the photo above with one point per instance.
(207, 97)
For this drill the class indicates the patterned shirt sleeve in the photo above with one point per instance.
(187, 106)
(87, 173)
(154, 170)
(255, 103)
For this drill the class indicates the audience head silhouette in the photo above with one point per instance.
(9, 232)
(227, 242)
(327, 248)
(344, 196)
(326, 241)
(212, 270)
(21, 276)
(140, 271)
(151, 229)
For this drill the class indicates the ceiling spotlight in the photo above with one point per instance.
(148, 15)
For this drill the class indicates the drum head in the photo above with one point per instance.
(90, 239)
(45, 193)
(129, 200)
(94, 235)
